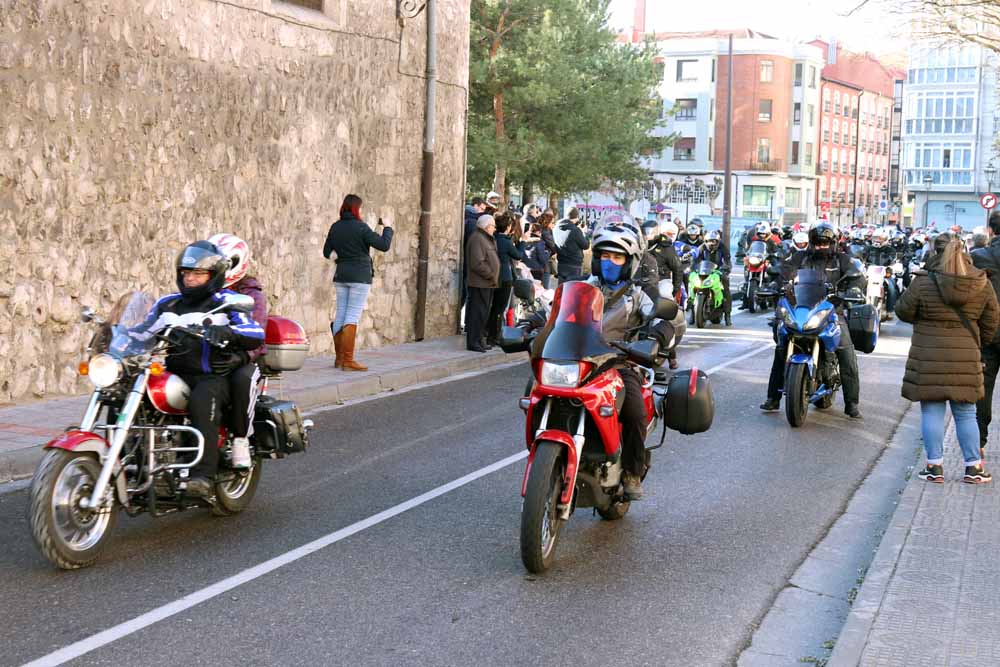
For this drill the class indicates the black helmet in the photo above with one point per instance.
(823, 233)
(207, 257)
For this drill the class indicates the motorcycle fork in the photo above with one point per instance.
(565, 505)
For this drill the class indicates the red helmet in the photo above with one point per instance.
(237, 252)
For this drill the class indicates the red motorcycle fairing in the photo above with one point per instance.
(79, 441)
(563, 438)
(600, 391)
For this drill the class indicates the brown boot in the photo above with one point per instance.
(338, 344)
(348, 335)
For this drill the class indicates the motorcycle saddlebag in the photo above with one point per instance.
(689, 406)
(862, 324)
(287, 345)
(277, 427)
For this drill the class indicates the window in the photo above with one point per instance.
(946, 158)
(793, 198)
(711, 110)
(763, 150)
(940, 112)
(764, 111)
(826, 106)
(713, 69)
(809, 155)
(686, 109)
(758, 196)
(836, 136)
(847, 109)
(795, 152)
(797, 113)
(687, 70)
(812, 76)
(811, 114)
(684, 148)
(798, 75)
(766, 71)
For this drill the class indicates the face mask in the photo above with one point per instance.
(611, 272)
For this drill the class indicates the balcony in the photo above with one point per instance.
(766, 165)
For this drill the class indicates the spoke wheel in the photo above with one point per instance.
(233, 495)
(540, 522)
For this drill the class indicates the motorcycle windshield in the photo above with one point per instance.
(130, 311)
(705, 267)
(809, 287)
(573, 330)
(757, 249)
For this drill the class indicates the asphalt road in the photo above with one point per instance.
(680, 581)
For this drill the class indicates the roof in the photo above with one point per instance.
(863, 70)
(737, 33)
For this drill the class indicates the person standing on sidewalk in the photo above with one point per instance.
(509, 250)
(988, 259)
(952, 308)
(472, 213)
(572, 244)
(546, 221)
(484, 277)
(351, 239)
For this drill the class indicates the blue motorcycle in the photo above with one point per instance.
(811, 330)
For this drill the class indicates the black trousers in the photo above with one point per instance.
(984, 407)
(633, 421)
(727, 295)
(569, 271)
(207, 405)
(243, 396)
(477, 310)
(847, 358)
(498, 310)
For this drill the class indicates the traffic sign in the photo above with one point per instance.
(988, 201)
(883, 206)
(824, 206)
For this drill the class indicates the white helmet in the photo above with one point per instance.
(801, 240)
(669, 229)
(762, 230)
(880, 237)
(618, 232)
(237, 252)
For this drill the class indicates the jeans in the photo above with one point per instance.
(932, 428)
(984, 408)
(351, 300)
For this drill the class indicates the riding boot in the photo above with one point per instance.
(338, 344)
(350, 333)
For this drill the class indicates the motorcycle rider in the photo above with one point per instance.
(661, 247)
(693, 234)
(619, 246)
(882, 253)
(243, 380)
(204, 363)
(715, 251)
(761, 232)
(801, 241)
(823, 257)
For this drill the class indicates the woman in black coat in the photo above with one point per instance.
(509, 251)
(349, 242)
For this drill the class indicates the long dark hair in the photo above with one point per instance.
(352, 205)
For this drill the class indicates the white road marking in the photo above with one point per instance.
(142, 621)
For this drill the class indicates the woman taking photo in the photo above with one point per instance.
(953, 308)
(349, 242)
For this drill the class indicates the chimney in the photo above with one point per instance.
(639, 21)
(831, 53)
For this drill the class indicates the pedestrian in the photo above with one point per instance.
(952, 308)
(536, 254)
(988, 259)
(484, 277)
(351, 239)
(509, 251)
(546, 222)
(473, 210)
(572, 244)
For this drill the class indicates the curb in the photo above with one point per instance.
(853, 637)
(21, 463)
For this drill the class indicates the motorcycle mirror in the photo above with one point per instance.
(524, 289)
(241, 303)
(666, 309)
(513, 339)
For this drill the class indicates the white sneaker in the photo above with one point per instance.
(241, 454)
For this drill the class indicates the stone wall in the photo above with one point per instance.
(131, 128)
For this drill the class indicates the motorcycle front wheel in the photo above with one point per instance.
(796, 394)
(68, 535)
(234, 493)
(753, 296)
(540, 523)
(700, 308)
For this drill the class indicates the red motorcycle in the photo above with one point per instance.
(572, 430)
(755, 266)
(135, 446)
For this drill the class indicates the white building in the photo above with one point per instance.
(950, 121)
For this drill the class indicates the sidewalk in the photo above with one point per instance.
(24, 427)
(932, 594)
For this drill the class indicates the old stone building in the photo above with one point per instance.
(129, 129)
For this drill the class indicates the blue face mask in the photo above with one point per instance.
(611, 272)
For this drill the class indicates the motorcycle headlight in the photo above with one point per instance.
(755, 261)
(104, 370)
(560, 374)
(786, 317)
(695, 281)
(817, 319)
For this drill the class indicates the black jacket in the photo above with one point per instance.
(470, 221)
(351, 239)
(536, 255)
(988, 259)
(719, 257)
(668, 264)
(834, 266)
(570, 253)
(508, 251)
(884, 256)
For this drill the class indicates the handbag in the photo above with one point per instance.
(958, 311)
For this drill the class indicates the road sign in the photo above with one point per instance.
(883, 206)
(824, 206)
(988, 201)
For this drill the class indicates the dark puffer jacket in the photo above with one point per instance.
(944, 361)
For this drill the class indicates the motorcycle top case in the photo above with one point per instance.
(862, 323)
(287, 344)
(689, 406)
(277, 427)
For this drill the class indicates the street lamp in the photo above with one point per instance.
(687, 197)
(928, 180)
(885, 214)
(990, 172)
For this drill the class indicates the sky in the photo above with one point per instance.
(792, 19)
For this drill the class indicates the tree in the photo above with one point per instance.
(975, 21)
(556, 101)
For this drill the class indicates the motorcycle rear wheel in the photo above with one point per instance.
(796, 394)
(69, 536)
(234, 495)
(539, 515)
